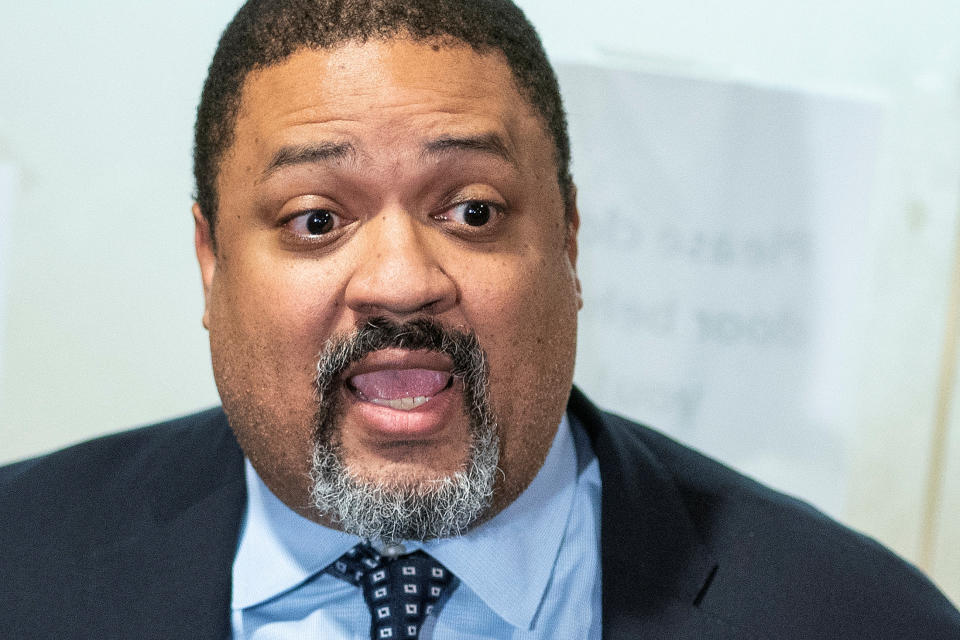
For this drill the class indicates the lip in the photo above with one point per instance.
(385, 424)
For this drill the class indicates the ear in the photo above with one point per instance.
(206, 257)
(573, 227)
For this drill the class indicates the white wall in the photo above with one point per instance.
(103, 300)
(103, 325)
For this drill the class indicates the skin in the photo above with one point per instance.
(400, 249)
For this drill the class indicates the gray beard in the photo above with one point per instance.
(390, 512)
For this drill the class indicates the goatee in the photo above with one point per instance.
(390, 512)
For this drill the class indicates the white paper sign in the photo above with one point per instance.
(720, 241)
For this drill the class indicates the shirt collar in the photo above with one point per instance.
(279, 549)
(508, 560)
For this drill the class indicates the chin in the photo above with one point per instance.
(404, 476)
(403, 461)
(404, 499)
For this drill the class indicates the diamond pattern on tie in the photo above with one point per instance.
(400, 592)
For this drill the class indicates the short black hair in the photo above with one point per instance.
(266, 32)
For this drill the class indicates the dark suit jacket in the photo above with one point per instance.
(133, 536)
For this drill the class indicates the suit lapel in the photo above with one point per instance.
(173, 580)
(654, 564)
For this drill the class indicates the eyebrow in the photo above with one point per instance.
(488, 143)
(307, 154)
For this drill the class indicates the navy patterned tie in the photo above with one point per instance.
(400, 591)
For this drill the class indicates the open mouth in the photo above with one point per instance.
(401, 389)
(400, 379)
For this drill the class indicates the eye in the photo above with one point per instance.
(315, 222)
(473, 213)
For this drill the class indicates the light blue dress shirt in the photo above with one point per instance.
(532, 571)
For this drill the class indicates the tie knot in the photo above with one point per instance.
(357, 563)
(400, 592)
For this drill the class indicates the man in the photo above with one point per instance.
(387, 235)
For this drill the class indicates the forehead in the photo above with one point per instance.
(416, 86)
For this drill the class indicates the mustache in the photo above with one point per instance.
(374, 334)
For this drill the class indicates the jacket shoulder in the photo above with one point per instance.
(785, 568)
(72, 493)
(128, 535)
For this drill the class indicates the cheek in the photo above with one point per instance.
(276, 304)
(268, 322)
(525, 316)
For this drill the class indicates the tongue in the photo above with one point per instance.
(390, 384)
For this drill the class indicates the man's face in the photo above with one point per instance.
(392, 181)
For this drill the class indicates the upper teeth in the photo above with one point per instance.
(404, 404)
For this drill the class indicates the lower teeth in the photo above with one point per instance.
(404, 404)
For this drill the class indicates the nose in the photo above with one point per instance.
(398, 272)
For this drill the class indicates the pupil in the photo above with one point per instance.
(319, 222)
(477, 214)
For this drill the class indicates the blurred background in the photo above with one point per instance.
(769, 197)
